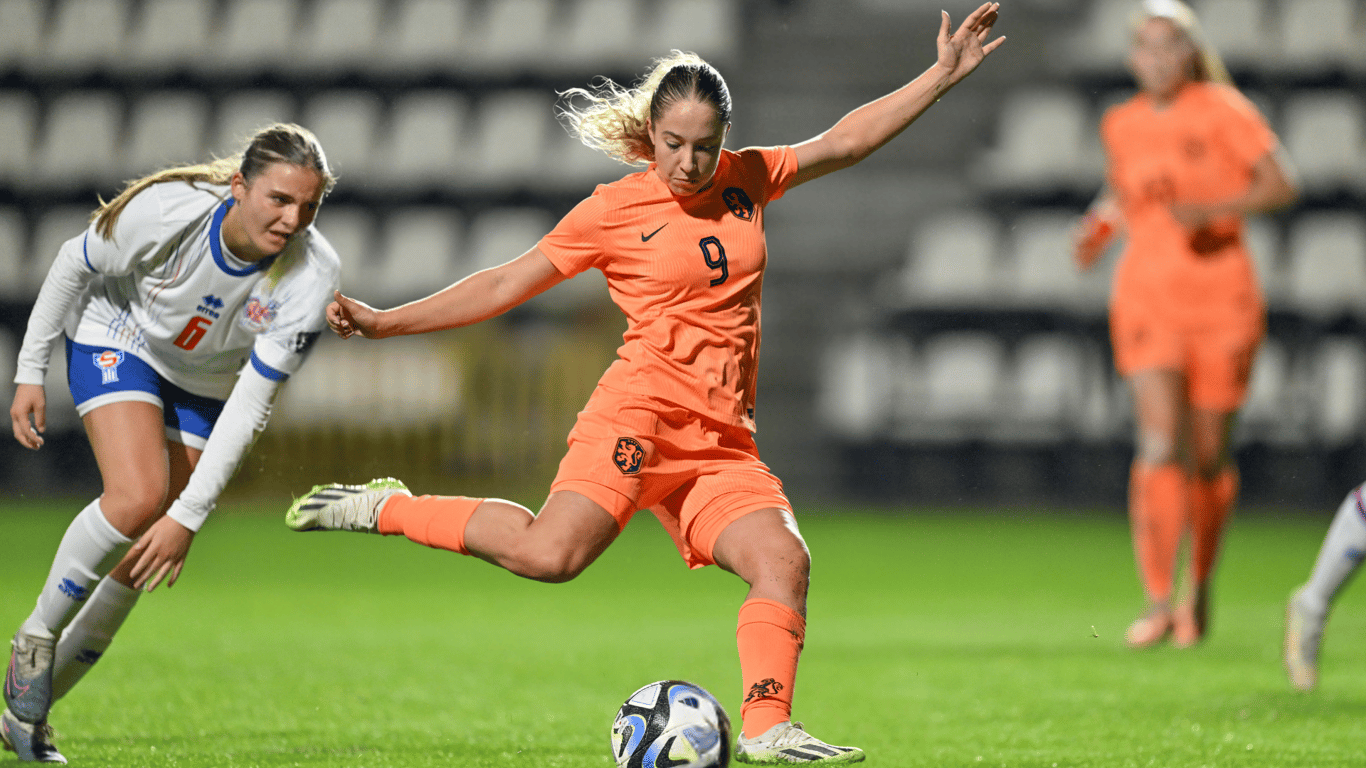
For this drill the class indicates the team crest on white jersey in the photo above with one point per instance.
(108, 362)
(257, 315)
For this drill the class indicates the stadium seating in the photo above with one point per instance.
(1327, 264)
(165, 128)
(1325, 133)
(420, 252)
(18, 131)
(12, 248)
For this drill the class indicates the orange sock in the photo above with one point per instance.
(432, 521)
(1211, 501)
(1158, 499)
(769, 637)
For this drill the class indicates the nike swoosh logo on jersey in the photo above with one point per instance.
(644, 238)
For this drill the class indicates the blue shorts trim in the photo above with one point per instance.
(98, 372)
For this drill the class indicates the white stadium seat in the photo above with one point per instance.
(1047, 139)
(603, 35)
(242, 113)
(426, 36)
(80, 145)
(1237, 29)
(1318, 35)
(858, 374)
(56, 226)
(709, 28)
(1268, 413)
(1340, 376)
(952, 259)
(1325, 134)
(510, 137)
(1101, 42)
(347, 123)
(420, 254)
(85, 35)
(18, 132)
(170, 34)
(1040, 270)
(256, 35)
(1047, 388)
(963, 374)
(13, 235)
(340, 35)
(1327, 270)
(166, 128)
(513, 36)
(427, 143)
(351, 231)
(21, 32)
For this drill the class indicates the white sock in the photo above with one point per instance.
(1343, 549)
(88, 635)
(89, 550)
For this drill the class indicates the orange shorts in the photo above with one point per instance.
(695, 474)
(1215, 358)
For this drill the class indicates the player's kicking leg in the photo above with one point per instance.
(787, 743)
(336, 507)
(1307, 612)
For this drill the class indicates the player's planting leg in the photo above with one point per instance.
(1340, 556)
(89, 549)
(31, 742)
(335, 507)
(789, 743)
(1157, 503)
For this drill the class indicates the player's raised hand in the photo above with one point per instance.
(348, 317)
(28, 415)
(961, 51)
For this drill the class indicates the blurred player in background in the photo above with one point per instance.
(1307, 612)
(192, 296)
(1187, 158)
(669, 426)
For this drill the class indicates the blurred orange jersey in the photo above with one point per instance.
(1201, 148)
(687, 272)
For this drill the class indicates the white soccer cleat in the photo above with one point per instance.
(343, 507)
(788, 743)
(1303, 636)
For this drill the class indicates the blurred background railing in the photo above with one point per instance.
(926, 335)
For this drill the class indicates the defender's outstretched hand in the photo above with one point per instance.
(962, 51)
(347, 317)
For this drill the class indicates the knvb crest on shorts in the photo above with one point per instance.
(738, 202)
(628, 455)
(108, 362)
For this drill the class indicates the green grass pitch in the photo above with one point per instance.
(935, 639)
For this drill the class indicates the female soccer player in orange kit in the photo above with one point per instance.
(669, 426)
(1187, 158)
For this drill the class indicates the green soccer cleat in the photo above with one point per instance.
(787, 743)
(336, 507)
(32, 743)
(1303, 635)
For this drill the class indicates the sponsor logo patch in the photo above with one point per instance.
(108, 362)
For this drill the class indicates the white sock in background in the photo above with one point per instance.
(1343, 549)
(89, 550)
(88, 635)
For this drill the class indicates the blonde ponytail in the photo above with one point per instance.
(615, 119)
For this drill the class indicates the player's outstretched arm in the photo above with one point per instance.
(482, 295)
(861, 132)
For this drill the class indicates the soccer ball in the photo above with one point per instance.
(671, 723)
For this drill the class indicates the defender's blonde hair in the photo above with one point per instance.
(277, 143)
(615, 119)
(1209, 67)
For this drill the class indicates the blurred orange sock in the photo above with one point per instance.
(769, 636)
(1211, 501)
(1158, 509)
(432, 521)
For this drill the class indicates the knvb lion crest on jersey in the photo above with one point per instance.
(628, 456)
(108, 362)
(738, 202)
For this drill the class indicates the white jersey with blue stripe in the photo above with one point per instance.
(166, 288)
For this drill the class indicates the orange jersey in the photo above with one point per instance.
(687, 272)
(1201, 148)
